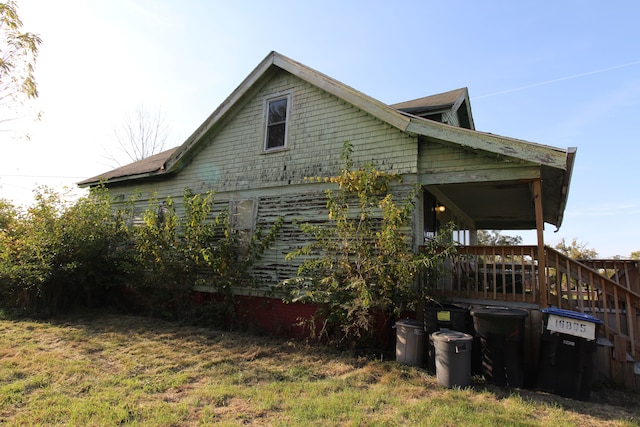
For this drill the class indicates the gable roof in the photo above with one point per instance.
(432, 104)
(275, 60)
(554, 161)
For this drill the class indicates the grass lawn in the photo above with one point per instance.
(108, 370)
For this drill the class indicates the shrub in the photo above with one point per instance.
(199, 248)
(56, 255)
(361, 263)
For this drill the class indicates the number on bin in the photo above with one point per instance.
(571, 327)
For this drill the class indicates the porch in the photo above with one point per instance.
(522, 186)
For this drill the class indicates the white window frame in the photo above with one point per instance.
(267, 101)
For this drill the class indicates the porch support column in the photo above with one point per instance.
(542, 274)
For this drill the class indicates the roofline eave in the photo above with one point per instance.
(89, 184)
(174, 161)
(524, 150)
(570, 159)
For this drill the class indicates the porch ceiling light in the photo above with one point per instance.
(440, 208)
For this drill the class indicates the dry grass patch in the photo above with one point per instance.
(124, 370)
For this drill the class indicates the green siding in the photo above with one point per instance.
(233, 158)
(451, 118)
(444, 162)
(232, 163)
(319, 124)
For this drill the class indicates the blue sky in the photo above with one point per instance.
(560, 73)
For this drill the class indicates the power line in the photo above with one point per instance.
(575, 76)
(41, 176)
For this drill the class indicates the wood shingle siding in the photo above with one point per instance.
(233, 159)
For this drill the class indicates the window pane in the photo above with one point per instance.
(275, 137)
(243, 215)
(278, 111)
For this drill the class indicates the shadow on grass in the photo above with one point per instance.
(606, 403)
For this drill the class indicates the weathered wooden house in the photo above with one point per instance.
(286, 122)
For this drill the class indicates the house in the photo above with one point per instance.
(286, 122)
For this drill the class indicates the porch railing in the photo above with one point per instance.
(499, 273)
(605, 289)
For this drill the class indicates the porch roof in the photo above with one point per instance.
(499, 199)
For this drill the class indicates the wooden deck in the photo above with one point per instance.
(511, 275)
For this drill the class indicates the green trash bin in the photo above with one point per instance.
(410, 344)
(448, 316)
(453, 358)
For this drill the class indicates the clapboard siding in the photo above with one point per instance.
(450, 117)
(294, 204)
(234, 166)
(435, 157)
(307, 207)
(319, 125)
(233, 158)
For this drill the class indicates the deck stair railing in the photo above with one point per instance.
(607, 289)
(601, 288)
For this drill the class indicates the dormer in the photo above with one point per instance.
(451, 107)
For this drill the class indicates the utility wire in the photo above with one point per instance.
(575, 76)
(41, 176)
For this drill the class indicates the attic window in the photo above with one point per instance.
(434, 117)
(277, 110)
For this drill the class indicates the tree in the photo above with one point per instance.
(18, 54)
(635, 255)
(495, 238)
(7, 214)
(576, 250)
(143, 133)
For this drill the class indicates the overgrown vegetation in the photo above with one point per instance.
(360, 266)
(57, 255)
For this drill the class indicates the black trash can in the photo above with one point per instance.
(453, 358)
(410, 342)
(439, 317)
(567, 349)
(501, 332)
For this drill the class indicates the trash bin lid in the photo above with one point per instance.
(501, 312)
(571, 315)
(450, 336)
(410, 323)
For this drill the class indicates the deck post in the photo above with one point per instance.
(542, 268)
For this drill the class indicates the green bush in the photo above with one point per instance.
(360, 267)
(58, 255)
(199, 248)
